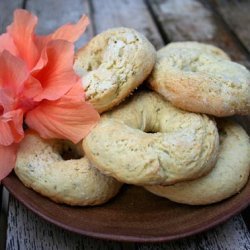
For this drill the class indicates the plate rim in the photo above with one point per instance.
(126, 238)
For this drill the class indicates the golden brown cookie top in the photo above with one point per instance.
(113, 64)
(148, 140)
(227, 178)
(201, 78)
(40, 166)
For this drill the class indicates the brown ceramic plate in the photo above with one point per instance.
(134, 215)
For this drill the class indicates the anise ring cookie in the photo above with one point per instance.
(112, 65)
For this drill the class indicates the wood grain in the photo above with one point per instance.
(6, 12)
(246, 217)
(123, 218)
(226, 236)
(54, 13)
(31, 232)
(128, 13)
(236, 15)
(1, 196)
(184, 20)
(3, 218)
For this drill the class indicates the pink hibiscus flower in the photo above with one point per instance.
(39, 86)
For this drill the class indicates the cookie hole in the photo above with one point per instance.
(222, 132)
(222, 135)
(70, 155)
(89, 68)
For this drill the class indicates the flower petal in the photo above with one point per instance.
(71, 32)
(68, 32)
(8, 159)
(43, 60)
(11, 127)
(67, 118)
(32, 88)
(22, 31)
(13, 72)
(7, 101)
(58, 76)
(17, 88)
(6, 43)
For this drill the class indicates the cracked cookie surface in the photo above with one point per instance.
(40, 166)
(201, 78)
(227, 178)
(146, 140)
(112, 65)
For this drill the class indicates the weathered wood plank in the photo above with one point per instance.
(3, 218)
(128, 13)
(1, 195)
(236, 15)
(28, 231)
(227, 236)
(54, 13)
(193, 20)
(246, 217)
(6, 12)
(31, 232)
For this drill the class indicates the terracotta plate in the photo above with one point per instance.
(134, 215)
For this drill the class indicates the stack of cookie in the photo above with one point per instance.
(165, 139)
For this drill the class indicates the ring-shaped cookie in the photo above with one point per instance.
(227, 178)
(148, 140)
(112, 65)
(40, 166)
(201, 78)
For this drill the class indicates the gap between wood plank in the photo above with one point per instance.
(127, 13)
(91, 13)
(24, 4)
(236, 15)
(158, 24)
(1, 196)
(4, 208)
(246, 217)
(192, 20)
(227, 26)
(53, 14)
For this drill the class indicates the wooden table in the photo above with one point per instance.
(223, 23)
